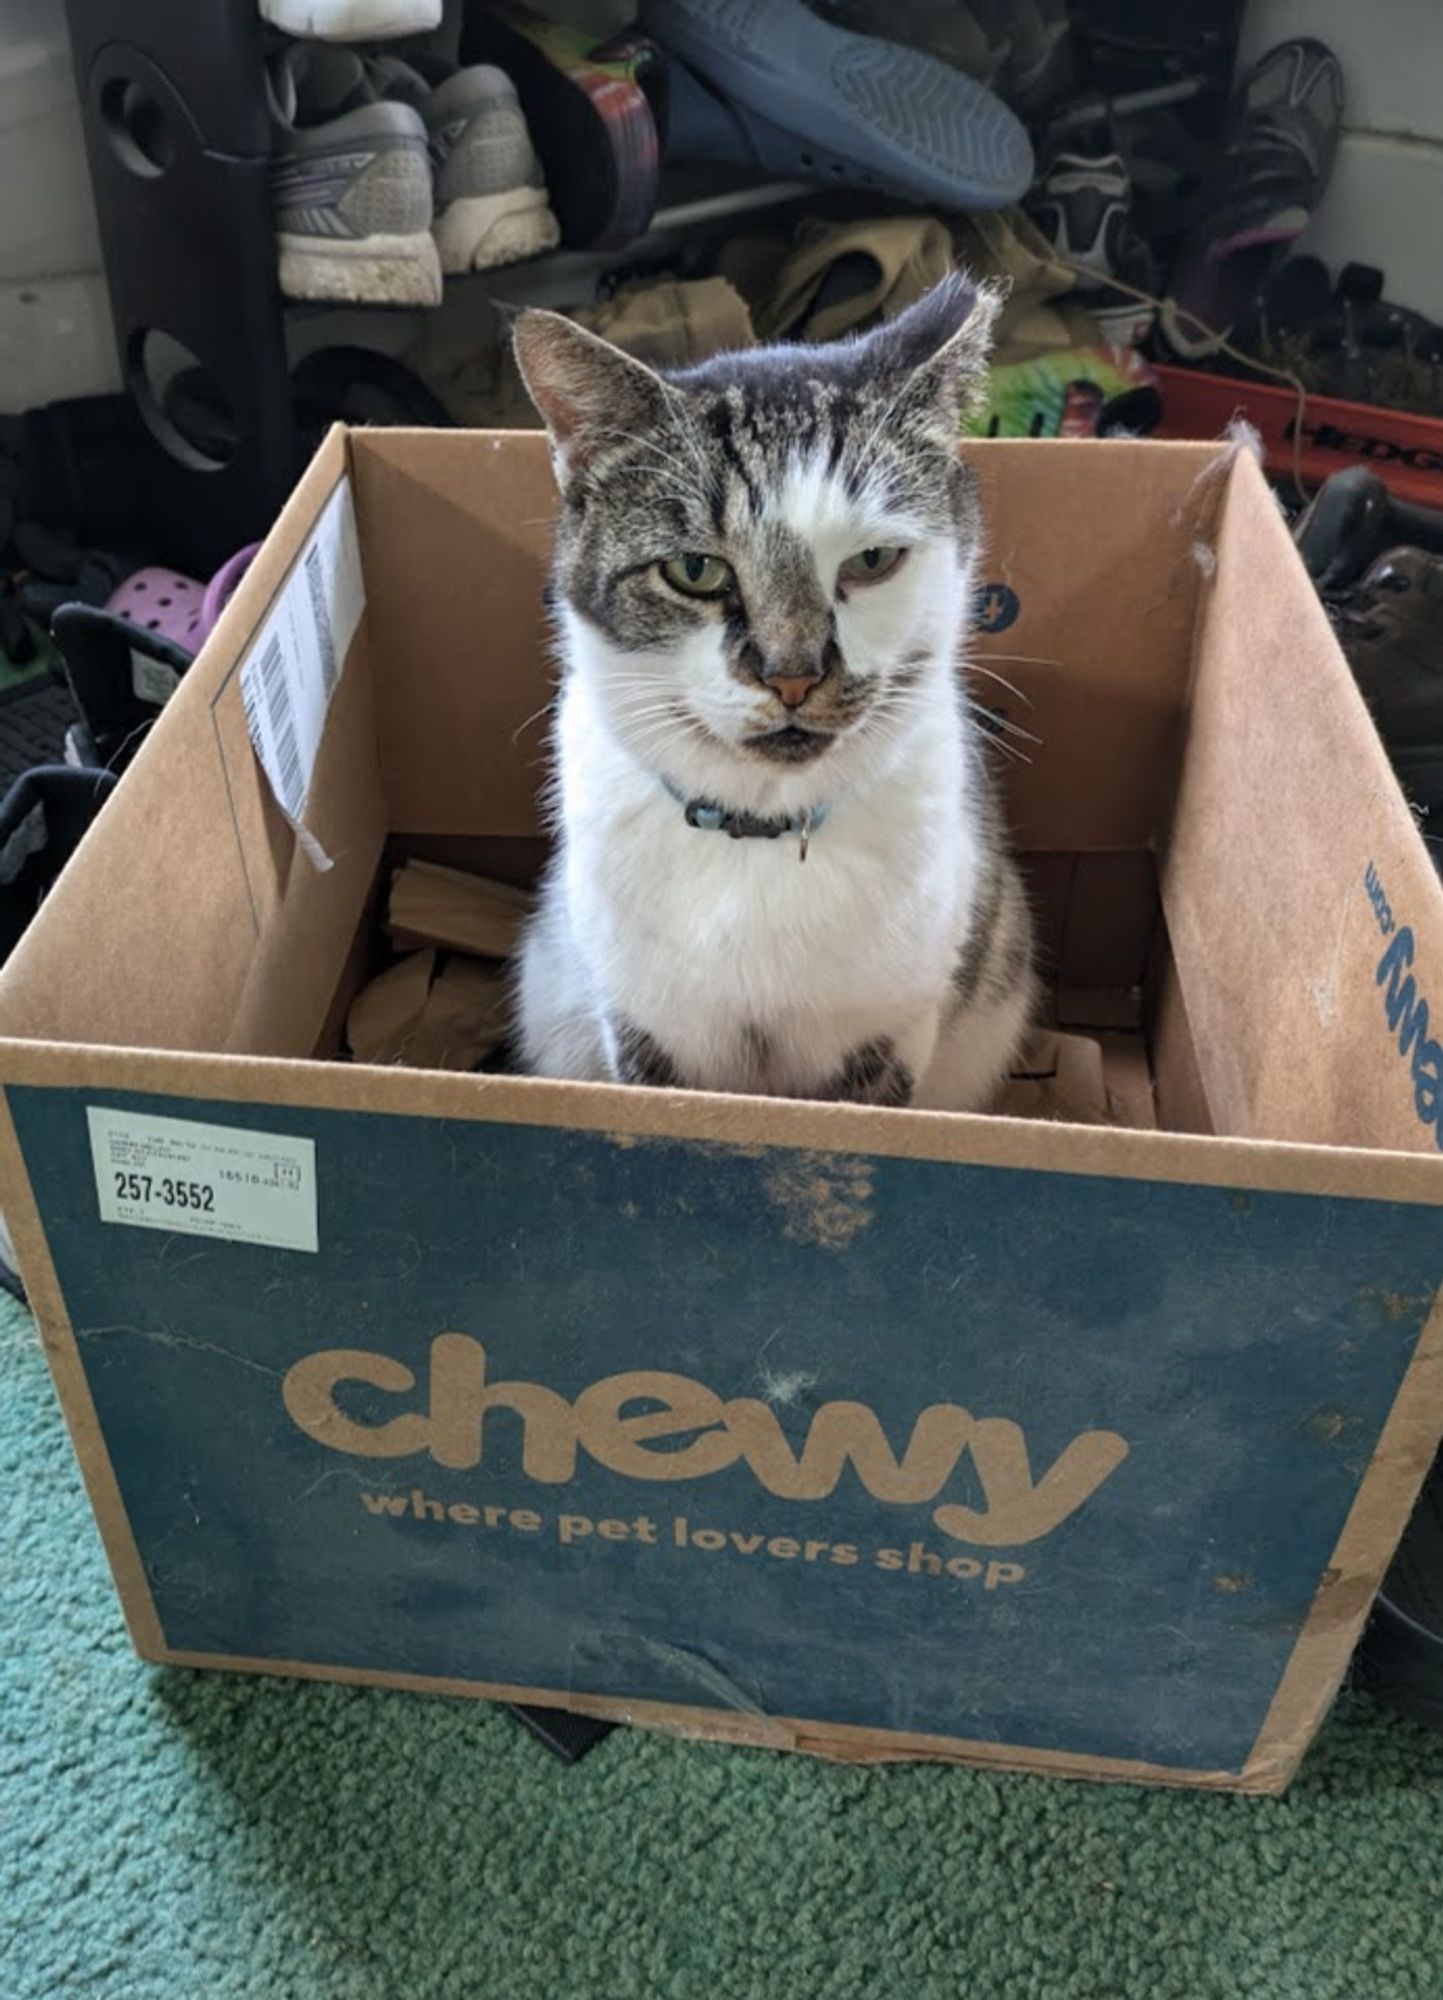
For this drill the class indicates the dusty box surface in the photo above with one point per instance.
(1075, 1448)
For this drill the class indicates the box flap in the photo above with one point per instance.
(188, 918)
(1305, 917)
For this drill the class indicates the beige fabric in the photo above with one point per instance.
(885, 263)
(880, 265)
(671, 325)
(1038, 318)
(822, 279)
(668, 324)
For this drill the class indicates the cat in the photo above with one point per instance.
(781, 867)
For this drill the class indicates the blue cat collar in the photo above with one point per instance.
(709, 817)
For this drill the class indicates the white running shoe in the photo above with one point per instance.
(351, 177)
(352, 20)
(490, 194)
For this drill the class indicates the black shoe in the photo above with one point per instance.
(1400, 1661)
(1345, 340)
(121, 675)
(1352, 519)
(1390, 625)
(1391, 628)
(1082, 203)
(1275, 160)
(43, 818)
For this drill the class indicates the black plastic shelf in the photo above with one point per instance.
(173, 106)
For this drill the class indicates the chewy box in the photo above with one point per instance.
(869, 1433)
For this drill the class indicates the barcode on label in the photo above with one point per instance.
(300, 655)
(276, 688)
(325, 637)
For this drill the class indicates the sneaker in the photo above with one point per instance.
(351, 178)
(1277, 157)
(1082, 203)
(1039, 67)
(1018, 47)
(489, 192)
(352, 20)
(774, 85)
(969, 38)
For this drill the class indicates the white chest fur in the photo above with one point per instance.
(717, 948)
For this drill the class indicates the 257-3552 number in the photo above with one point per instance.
(169, 1193)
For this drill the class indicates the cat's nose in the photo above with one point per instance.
(794, 668)
(791, 688)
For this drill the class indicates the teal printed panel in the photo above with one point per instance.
(1030, 1458)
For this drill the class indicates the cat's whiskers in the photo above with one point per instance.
(976, 667)
(995, 729)
(654, 700)
(993, 719)
(658, 719)
(646, 746)
(521, 727)
(655, 682)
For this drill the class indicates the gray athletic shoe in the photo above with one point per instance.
(352, 183)
(490, 194)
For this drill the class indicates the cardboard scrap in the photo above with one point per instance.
(432, 905)
(1059, 1077)
(1128, 1073)
(428, 1019)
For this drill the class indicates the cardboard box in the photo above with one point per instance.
(877, 1434)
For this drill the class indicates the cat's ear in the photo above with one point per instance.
(935, 354)
(586, 390)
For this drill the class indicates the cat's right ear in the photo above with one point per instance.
(588, 392)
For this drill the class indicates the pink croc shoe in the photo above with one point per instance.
(176, 606)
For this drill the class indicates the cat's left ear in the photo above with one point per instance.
(936, 352)
(588, 392)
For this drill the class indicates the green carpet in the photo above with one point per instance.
(199, 1837)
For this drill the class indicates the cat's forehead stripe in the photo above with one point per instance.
(758, 441)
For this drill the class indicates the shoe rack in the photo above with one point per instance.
(173, 104)
(174, 111)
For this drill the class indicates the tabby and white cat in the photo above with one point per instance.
(780, 866)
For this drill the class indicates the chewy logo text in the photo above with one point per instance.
(1017, 1508)
(1407, 1010)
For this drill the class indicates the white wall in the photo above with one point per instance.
(55, 328)
(1385, 204)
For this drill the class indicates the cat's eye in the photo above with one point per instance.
(870, 566)
(697, 576)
